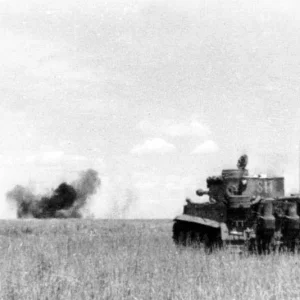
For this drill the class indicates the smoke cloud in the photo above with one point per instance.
(123, 204)
(66, 201)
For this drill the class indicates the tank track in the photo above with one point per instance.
(196, 235)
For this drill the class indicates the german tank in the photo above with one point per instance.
(243, 212)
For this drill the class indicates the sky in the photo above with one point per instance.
(154, 95)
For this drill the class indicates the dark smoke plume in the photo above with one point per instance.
(64, 202)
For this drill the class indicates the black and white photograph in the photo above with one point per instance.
(149, 150)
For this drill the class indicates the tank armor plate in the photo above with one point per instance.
(199, 220)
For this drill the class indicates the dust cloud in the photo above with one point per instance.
(66, 201)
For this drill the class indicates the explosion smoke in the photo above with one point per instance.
(65, 201)
(123, 203)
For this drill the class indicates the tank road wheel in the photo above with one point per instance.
(216, 242)
(291, 243)
(251, 246)
(207, 244)
(186, 234)
(197, 239)
(264, 243)
(297, 244)
(189, 238)
(211, 239)
(196, 235)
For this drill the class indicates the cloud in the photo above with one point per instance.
(154, 145)
(50, 157)
(145, 185)
(46, 157)
(174, 128)
(54, 157)
(21, 131)
(208, 146)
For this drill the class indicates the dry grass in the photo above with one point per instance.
(85, 259)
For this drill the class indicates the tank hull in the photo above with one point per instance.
(256, 229)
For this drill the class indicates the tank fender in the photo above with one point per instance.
(199, 220)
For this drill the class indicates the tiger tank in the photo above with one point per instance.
(244, 212)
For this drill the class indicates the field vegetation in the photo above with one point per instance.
(115, 259)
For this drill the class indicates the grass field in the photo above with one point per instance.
(98, 259)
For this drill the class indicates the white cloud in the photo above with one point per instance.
(208, 146)
(154, 145)
(145, 185)
(78, 158)
(42, 57)
(51, 157)
(174, 128)
(30, 159)
(13, 160)
(45, 157)
(21, 130)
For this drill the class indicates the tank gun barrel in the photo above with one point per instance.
(201, 192)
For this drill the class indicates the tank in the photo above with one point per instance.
(243, 213)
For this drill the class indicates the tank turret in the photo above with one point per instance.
(237, 182)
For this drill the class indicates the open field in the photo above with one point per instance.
(98, 259)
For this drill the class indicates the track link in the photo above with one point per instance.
(196, 235)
